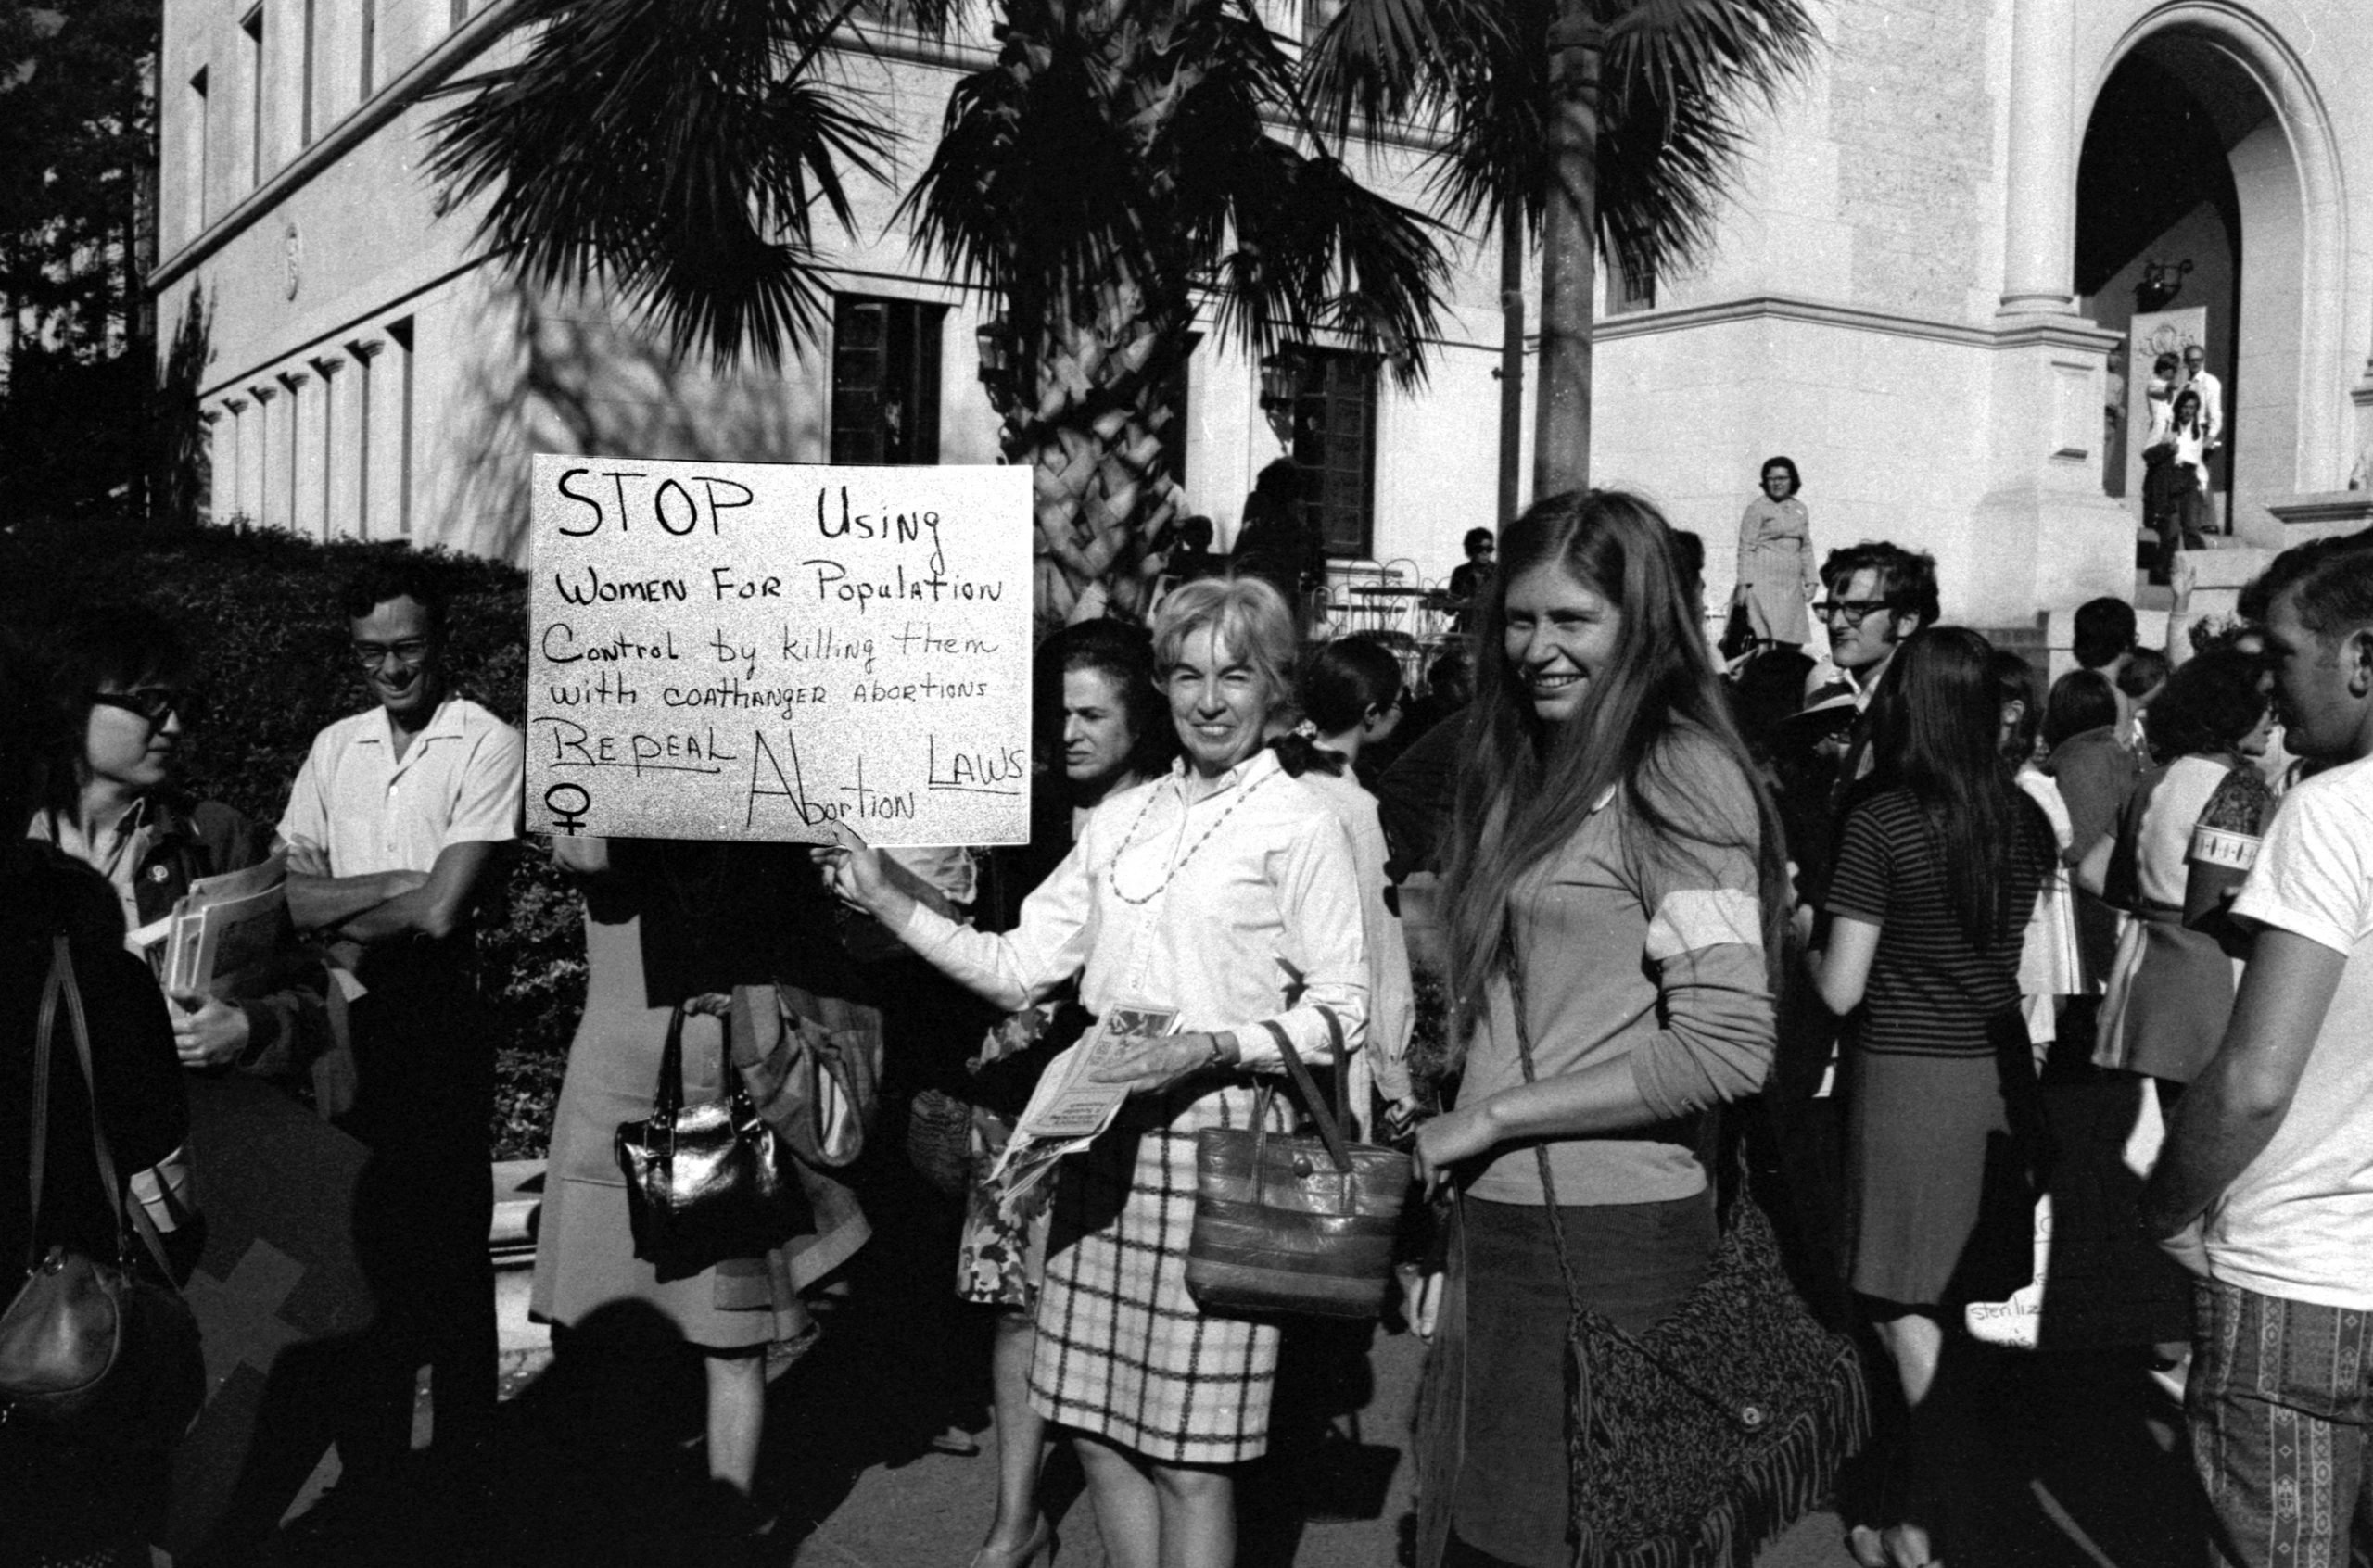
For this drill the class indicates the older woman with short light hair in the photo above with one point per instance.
(1223, 890)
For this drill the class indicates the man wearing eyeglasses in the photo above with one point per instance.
(1878, 598)
(394, 825)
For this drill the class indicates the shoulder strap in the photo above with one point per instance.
(39, 1139)
(1540, 1147)
(62, 970)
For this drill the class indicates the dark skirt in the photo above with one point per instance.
(1495, 1423)
(1944, 1159)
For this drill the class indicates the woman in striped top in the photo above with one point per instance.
(1936, 873)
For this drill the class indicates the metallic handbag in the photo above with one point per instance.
(704, 1182)
(1290, 1222)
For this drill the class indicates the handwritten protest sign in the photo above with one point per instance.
(757, 650)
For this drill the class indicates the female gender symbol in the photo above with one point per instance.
(567, 817)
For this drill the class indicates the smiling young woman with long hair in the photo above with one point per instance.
(1616, 876)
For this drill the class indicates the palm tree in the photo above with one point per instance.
(1120, 163)
(1577, 121)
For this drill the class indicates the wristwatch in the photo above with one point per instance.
(1218, 1059)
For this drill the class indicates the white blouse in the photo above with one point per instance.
(1240, 908)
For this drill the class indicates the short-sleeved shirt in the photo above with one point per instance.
(2298, 1221)
(1932, 992)
(458, 783)
(1653, 958)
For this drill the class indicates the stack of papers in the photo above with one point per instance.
(222, 931)
(1069, 1110)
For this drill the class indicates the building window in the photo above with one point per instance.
(193, 155)
(458, 12)
(400, 335)
(369, 46)
(885, 380)
(1627, 291)
(293, 381)
(252, 25)
(1334, 448)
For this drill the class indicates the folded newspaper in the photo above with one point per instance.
(219, 932)
(1070, 1109)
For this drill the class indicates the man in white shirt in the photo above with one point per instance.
(393, 824)
(2264, 1189)
(2198, 378)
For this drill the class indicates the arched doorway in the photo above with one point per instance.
(2188, 167)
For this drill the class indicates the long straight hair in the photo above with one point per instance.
(1935, 721)
(1527, 784)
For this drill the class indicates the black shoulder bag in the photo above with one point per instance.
(1704, 1437)
(90, 1348)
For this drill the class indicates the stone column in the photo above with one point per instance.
(2039, 232)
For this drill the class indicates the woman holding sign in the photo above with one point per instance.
(1222, 893)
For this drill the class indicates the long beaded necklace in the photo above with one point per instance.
(1112, 873)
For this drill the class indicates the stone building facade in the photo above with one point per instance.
(1916, 292)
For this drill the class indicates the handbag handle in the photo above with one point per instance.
(61, 983)
(667, 1097)
(1330, 1130)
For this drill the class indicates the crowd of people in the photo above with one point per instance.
(1862, 905)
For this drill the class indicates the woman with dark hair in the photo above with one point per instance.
(2051, 967)
(1776, 575)
(2170, 990)
(1616, 882)
(67, 1503)
(1937, 868)
(1102, 707)
(1350, 698)
(119, 680)
(2182, 522)
(1222, 892)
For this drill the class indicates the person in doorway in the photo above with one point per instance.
(2264, 1186)
(394, 827)
(2184, 526)
(2203, 384)
(1776, 579)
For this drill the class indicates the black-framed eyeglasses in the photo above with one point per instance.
(1853, 611)
(408, 652)
(153, 703)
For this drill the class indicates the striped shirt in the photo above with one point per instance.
(1931, 992)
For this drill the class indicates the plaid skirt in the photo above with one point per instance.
(1122, 1349)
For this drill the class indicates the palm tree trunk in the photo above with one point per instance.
(1511, 357)
(1101, 480)
(1561, 454)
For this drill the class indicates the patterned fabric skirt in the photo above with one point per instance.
(1001, 1254)
(1123, 1351)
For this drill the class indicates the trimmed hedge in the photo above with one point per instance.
(260, 610)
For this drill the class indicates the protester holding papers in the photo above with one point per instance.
(1223, 892)
(118, 680)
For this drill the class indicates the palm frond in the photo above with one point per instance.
(1674, 75)
(1316, 249)
(678, 149)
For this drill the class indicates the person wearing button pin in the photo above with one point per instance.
(393, 827)
(1224, 890)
